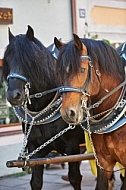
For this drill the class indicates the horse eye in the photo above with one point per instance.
(82, 70)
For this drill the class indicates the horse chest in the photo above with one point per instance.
(106, 143)
(115, 143)
(109, 143)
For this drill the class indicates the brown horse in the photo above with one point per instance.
(93, 96)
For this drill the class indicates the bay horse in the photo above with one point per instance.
(92, 78)
(29, 69)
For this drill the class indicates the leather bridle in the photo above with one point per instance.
(18, 76)
(63, 89)
(60, 89)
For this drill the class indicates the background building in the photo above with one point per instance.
(105, 19)
(49, 18)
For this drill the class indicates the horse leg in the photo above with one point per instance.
(103, 182)
(36, 181)
(74, 175)
(111, 182)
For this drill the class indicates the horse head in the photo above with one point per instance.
(25, 62)
(75, 69)
(91, 66)
(13, 73)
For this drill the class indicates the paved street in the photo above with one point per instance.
(52, 179)
(10, 147)
(15, 179)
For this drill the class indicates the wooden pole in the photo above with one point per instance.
(55, 160)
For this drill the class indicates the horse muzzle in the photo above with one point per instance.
(15, 97)
(72, 116)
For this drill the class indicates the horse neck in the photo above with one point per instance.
(108, 83)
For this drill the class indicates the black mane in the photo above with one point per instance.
(108, 59)
(33, 58)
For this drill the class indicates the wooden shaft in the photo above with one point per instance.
(15, 163)
(55, 160)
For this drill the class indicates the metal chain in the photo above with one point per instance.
(100, 114)
(49, 141)
(89, 132)
(91, 142)
(92, 145)
(26, 133)
(23, 154)
(38, 114)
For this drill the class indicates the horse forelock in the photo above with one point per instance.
(100, 52)
(68, 62)
(32, 57)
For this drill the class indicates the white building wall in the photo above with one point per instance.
(112, 33)
(49, 18)
(81, 8)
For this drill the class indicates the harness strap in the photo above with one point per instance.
(110, 93)
(60, 89)
(106, 96)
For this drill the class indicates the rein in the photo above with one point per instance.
(63, 89)
(106, 96)
(60, 89)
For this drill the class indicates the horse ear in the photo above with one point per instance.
(11, 36)
(30, 33)
(78, 42)
(58, 43)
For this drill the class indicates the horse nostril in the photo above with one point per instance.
(71, 113)
(17, 96)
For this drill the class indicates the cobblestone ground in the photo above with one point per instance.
(10, 147)
(52, 179)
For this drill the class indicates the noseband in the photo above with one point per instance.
(15, 75)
